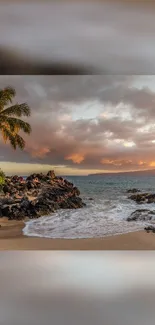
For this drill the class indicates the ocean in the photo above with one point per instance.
(105, 215)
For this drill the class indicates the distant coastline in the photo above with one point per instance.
(130, 173)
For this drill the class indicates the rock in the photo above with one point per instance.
(5, 189)
(6, 210)
(30, 185)
(141, 215)
(15, 178)
(90, 199)
(143, 198)
(16, 213)
(133, 190)
(7, 201)
(34, 193)
(24, 203)
(149, 228)
(17, 200)
(51, 174)
(76, 190)
(50, 193)
(151, 200)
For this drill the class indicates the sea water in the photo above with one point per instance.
(105, 215)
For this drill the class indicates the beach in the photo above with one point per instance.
(12, 238)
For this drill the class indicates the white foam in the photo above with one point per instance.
(98, 219)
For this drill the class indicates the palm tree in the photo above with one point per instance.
(10, 122)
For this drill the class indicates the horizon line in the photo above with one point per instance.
(93, 174)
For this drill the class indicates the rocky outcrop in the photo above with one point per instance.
(133, 190)
(142, 215)
(38, 195)
(150, 228)
(143, 198)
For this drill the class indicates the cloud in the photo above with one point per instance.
(86, 122)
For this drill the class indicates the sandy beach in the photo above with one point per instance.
(12, 238)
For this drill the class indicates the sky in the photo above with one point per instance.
(84, 124)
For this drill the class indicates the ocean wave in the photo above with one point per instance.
(94, 221)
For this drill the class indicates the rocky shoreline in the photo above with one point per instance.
(142, 214)
(37, 195)
(40, 195)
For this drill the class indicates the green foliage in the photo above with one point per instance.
(10, 118)
(2, 179)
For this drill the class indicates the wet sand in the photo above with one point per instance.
(12, 238)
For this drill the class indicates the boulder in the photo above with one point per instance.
(51, 174)
(6, 210)
(143, 198)
(30, 185)
(24, 204)
(150, 228)
(5, 188)
(141, 215)
(133, 190)
(38, 195)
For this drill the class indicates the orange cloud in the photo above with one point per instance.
(152, 164)
(141, 163)
(76, 158)
(40, 153)
(111, 162)
(116, 162)
(107, 161)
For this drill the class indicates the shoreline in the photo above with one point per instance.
(12, 238)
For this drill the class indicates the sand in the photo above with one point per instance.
(12, 238)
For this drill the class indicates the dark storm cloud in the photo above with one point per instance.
(102, 142)
(65, 88)
(107, 89)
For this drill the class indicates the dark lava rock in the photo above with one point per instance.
(30, 185)
(38, 195)
(51, 174)
(7, 201)
(150, 228)
(133, 190)
(141, 215)
(151, 200)
(25, 203)
(143, 198)
(5, 189)
(6, 210)
(76, 190)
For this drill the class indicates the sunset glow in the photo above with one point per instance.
(89, 125)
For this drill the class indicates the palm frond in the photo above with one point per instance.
(15, 124)
(6, 96)
(15, 139)
(17, 110)
(19, 141)
(7, 135)
(10, 122)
